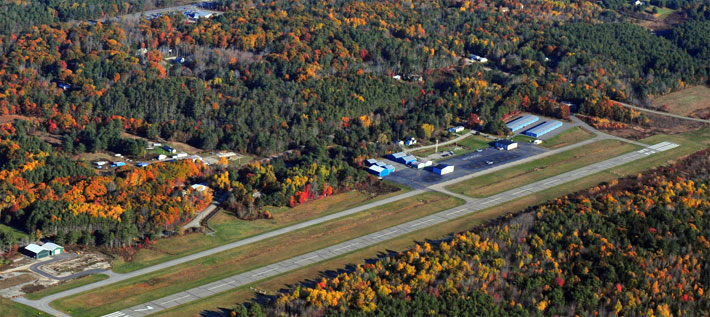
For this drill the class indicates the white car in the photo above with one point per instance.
(489, 162)
(479, 150)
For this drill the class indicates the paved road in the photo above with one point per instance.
(197, 221)
(35, 268)
(662, 113)
(374, 238)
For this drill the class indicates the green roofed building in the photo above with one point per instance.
(43, 251)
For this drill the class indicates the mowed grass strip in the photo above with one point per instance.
(229, 229)
(467, 145)
(571, 136)
(208, 269)
(686, 101)
(497, 182)
(10, 308)
(690, 142)
(66, 286)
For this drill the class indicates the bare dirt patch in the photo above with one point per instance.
(87, 261)
(658, 124)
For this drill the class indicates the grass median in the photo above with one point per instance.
(229, 229)
(212, 268)
(571, 136)
(509, 178)
(10, 308)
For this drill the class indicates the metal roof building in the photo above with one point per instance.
(396, 156)
(506, 144)
(443, 169)
(378, 170)
(408, 159)
(521, 122)
(543, 128)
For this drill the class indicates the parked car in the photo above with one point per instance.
(489, 162)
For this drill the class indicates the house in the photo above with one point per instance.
(378, 171)
(142, 164)
(456, 129)
(63, 86)
(169, 149)
(162, 157)
(399, 142)
(199, 187)
(639, 3)
(410, 141)
(396, 156)
(370, 162)
(99, 164)
(421, 164)
(397, 77)
(477, 58)
(443, 169)
(48, 249)
(506, 145)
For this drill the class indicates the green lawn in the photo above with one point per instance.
(66, 286)
(500, 181)
(464, 146)
(571, 136)
(520, 138)
(208, 269)
(229, 229)
(14, 233)
(10, 308)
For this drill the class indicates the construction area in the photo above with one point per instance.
(26, 275)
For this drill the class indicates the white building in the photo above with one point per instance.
(443, 169)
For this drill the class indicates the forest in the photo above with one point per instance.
(635, 246)
(317, 78)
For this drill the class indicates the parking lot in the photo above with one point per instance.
(464, 165)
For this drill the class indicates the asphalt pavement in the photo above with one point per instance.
(374, 238)
(36, 268)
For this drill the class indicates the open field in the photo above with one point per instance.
(271, 286)
(571, 136)
(188, 275)
(10, 308)
(464, 146)
(14, 233)
(229, 228)
(685, 102)
(509, 178)
(66, 286)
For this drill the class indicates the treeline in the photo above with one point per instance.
(638, 247)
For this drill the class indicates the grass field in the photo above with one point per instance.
(685, 101)
(464, 146)
(14, 233)
(208, 269)
(229, 228)
(10, 308)
(571, 136)
(516, 176)
(67, 286)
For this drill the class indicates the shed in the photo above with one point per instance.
(407, 159)
(377, 170)
(396, 156)
(53, 249)
(521, 122)
(35, 251)
(443, 169)
(506, 145)
(543, 128)
(371, 162)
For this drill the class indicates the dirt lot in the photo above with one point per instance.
(19, 280)
(658, 124)
(693, 101)
(85, 262)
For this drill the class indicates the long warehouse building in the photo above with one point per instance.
(521, 122)
(543, 128)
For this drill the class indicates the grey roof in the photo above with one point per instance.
(51, 246)
(34, 248)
